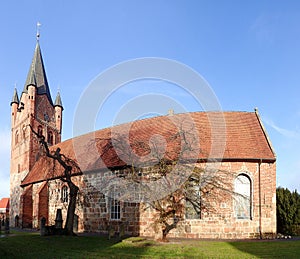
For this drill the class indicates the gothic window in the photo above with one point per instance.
(64, 194)
(40, 130)
(17, 137)
(115, 209)
(242, 188)
(50, 138)
(193, 200)
(114, 206)
(24, 131)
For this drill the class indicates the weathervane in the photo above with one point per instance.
(38, 31)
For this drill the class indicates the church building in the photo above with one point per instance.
(36, 108)
(245, 207)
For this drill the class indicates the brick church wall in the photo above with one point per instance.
(96, 214)
(222, 222)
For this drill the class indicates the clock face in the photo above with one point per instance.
(46, 117)
(44, 110)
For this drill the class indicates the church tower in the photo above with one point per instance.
(36, 108)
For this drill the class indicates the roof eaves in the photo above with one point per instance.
(48, 179)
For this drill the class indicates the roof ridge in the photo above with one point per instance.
(154, 117)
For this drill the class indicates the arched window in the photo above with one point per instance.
(243, 200)
(24, 131)
(17, 137)
(40, 130)
(50, 137)
(193, 199)
(114, 205)
(64, 194)
(115, 209)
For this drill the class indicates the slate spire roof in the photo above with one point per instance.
(58, 101)
(15, 98)
(37, 75)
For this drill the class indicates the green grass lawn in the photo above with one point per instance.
(31, 245)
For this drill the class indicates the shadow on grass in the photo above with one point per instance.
(32, 245)
(269, 248)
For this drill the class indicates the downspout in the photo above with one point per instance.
(259, 200)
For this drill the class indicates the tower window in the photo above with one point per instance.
(50, 138)
(40, 130)
(24, 131)
(17, 137)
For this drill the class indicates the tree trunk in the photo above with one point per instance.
(71, 208)
(165, 231)
(68, 165)
(164, 235)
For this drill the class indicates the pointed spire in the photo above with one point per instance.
(31, 80)
(58, 101)
(15, 98)
(37, 75)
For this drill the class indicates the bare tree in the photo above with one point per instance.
(69, 167)
(199, 189)
(183, 175)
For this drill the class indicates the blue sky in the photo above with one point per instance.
(248, 51)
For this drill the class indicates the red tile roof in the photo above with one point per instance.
(219, 135)
(4, 203)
